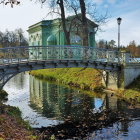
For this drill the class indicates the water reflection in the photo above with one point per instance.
(20, 79)
(59, 102)
(49, 104)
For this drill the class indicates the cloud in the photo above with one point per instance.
(22, 16)
(130, 28)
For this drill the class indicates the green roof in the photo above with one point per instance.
(58, 20)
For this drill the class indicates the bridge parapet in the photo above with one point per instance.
(35, 53)
(130, 70)
(127, 58)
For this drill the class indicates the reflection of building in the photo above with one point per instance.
(36, 94)
(50, 32)
(55, 101)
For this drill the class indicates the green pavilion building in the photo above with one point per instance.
(50, 32)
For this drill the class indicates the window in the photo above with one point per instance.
(75, 39)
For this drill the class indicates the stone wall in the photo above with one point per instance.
(131, 72)
(123, 78)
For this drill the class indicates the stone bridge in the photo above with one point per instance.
(118, 68)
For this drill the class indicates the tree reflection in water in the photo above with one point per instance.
(76, 110)
(59, 102)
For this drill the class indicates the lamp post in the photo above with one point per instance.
(119, 22)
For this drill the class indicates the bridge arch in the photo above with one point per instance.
(5, 78)
(10, 70)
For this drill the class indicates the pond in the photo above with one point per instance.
(45, 104)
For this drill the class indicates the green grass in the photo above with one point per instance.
(16, 113)
(11, 111)
(84, 78)
(132, 91)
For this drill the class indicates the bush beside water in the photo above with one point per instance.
(12, 126)
(3, 95)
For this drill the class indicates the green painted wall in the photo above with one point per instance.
(92, 39)
(49, 32)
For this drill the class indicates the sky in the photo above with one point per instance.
(29, 12)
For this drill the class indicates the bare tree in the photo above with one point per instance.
(6, 41)
(62, 7)
(13, 38)
(66, 32)
(20, 37)
(1, 39)
(58, 7)
(101, 44)
(11, 2)
(84, 23)
(87, 8)
(112, 44)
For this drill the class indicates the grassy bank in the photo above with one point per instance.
(12, 126)
(132, 91)
(84, 78)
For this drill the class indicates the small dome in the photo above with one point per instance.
(51, 40)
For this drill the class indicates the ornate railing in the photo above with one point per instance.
(37, 53)
(134, 59)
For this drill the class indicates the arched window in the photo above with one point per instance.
(76, 40)
(51, 40)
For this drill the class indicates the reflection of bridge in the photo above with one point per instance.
(19, 59)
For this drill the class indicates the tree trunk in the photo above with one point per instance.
(84, 23)
(66, 33)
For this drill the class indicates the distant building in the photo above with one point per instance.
(50, 32)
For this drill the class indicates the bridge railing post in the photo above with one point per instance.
(125, 57)
(110, 56)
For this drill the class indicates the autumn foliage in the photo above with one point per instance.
(134, 49)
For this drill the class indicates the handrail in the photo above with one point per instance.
(134, 59)
(63, 52)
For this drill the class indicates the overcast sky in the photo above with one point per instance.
(28, 13)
